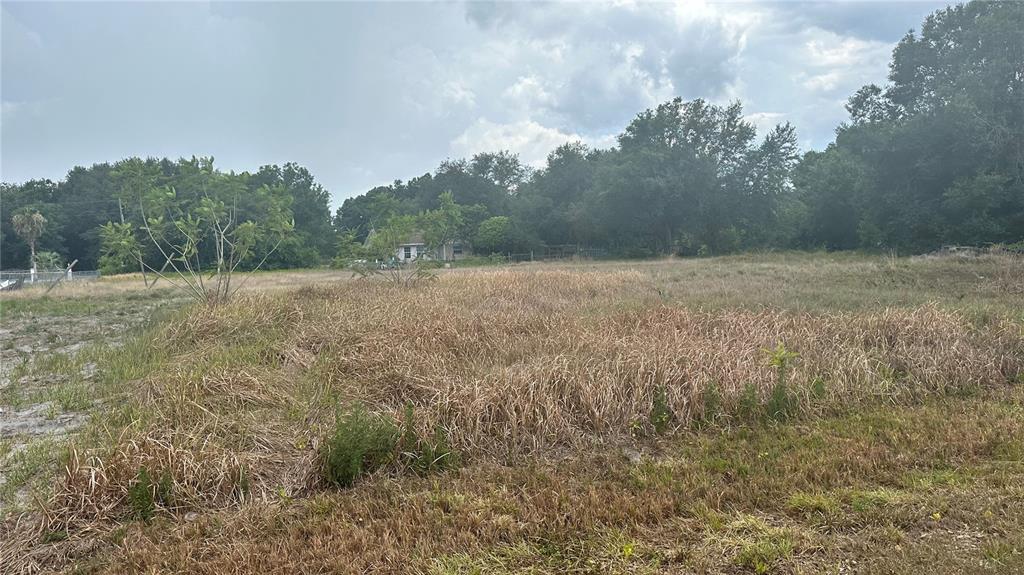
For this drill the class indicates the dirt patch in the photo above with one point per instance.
(28, 410)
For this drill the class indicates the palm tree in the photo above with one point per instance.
(29, 226)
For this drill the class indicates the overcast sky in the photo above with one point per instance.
(364, 93)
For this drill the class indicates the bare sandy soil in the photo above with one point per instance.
(30, 405)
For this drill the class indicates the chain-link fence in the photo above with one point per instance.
(28, 277)
(554, 253)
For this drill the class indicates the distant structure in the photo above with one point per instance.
(415, 247)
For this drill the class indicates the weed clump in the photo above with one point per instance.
(812, 503)
(711, 401)
(359, 444)
(818, 388)
(661, 413)
(144, 494)
(140, 496)
(749, 406)
(781, 404)
(363, 442)
(761, 548)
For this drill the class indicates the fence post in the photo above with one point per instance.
(32, 275)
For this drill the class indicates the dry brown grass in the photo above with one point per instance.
(517, 366)
(698, 503)
(508, 363)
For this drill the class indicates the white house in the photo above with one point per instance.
(415, 247)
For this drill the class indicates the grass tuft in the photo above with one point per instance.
(360, 443)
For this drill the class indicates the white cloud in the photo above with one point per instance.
(529, 92)
(456, 93)
(826, 82)
(833, 50)
(529, 139)
(765, 121)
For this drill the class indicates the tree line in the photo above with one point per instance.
(935, 156)
(115, 216)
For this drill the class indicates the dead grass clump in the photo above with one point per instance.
(518, 380)
(101, 488)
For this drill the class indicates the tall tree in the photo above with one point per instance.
(310, 208)
(442, 226)
(29, 226)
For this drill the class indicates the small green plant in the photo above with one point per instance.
(244, 486)
(409, 437)
(55, 536)
(711, 401)
(864, 501)
(1004, 552)
(762, 548)
(781, 358)
(360, 443)
(165, 489)
(818, 388)
(436, 453)
(761, 555)
(781, 403)
(661, 414)
(140, 496)
(749, 406)
(425, 455)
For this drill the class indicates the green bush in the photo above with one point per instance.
(360, 443)
(818, 388)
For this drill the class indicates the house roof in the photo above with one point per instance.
(414, 239)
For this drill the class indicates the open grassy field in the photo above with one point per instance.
(780, 413)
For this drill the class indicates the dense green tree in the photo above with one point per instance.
(88, 200)
(935, 156)
(829, 186)
(690, 176)
(551, 205)
(310, 205)
(362, 214)
(442, 225)
(495, 235)
(502, 169)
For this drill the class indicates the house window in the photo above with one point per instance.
(456, 249)
(408, 252)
